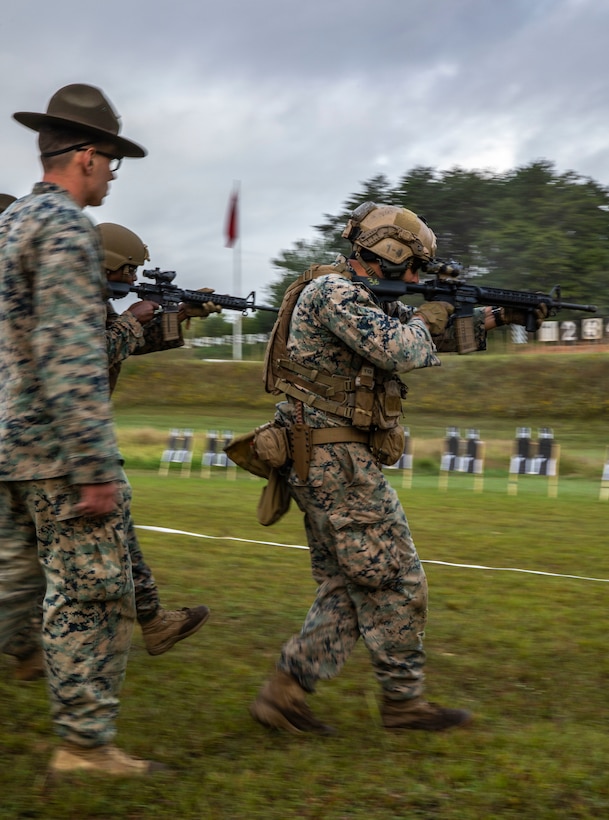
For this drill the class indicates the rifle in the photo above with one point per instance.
(449, 286)
(169, 295)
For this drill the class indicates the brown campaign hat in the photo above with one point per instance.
(85, 109)
(5, 201)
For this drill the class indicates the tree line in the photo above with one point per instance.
(529, 228)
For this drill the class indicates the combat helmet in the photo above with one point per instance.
(121, 247)
(391, 234)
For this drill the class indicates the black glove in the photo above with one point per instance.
(436, 315)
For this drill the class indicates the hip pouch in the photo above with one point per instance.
(388, 445)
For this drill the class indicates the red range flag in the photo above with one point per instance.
(232, 224)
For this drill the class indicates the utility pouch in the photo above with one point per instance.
(388, 445)
(241, 451)
(364, 398)
(300, 439)
(271, 445)
(388, 408)
(274, 501)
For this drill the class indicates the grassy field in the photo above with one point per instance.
(526, 652)
(516, 633)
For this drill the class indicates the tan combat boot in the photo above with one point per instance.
(417, 713)
(169, 627)
(110, 760)
(30, 667)
(281, 705)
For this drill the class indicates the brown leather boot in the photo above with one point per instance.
(109, 760)
(31, 667)
(281, 705)
(169, 627)
(417, 713)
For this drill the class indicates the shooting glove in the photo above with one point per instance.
(436, 315)
(516, 316)
(203, 310)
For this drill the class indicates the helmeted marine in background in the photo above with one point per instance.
(338, 356)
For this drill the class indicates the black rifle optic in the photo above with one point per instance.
(449, 286)
(169, 295)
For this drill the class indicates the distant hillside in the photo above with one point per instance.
(569, 385)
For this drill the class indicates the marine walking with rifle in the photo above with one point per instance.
(338, 354)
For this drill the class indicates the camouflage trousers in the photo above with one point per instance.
(82, 570)
(371, 582)
(147, 602)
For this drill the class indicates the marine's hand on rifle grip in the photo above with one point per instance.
(144, 311)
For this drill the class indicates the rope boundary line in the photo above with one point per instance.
(423, 561)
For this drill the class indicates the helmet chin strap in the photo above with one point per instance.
(357, 255)
(390, 270)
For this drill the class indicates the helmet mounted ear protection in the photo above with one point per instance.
(395, 236)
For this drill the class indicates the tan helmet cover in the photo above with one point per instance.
(391, 232)
(121, 246)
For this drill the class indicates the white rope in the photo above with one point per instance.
(440, 563)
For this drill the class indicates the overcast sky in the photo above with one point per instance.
(301, 103)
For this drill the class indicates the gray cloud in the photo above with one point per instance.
(301, 102)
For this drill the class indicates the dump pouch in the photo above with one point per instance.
(274, 501)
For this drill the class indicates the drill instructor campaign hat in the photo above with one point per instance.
(5, 201)
(85, 109)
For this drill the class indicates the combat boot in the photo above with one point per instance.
(109, 760)
(417, 713)
(281, 705)
(169, 627)
(30, 667)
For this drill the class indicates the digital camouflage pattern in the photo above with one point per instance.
(56, 432)
(124, 336)
(55, 414)
(371, 582)
(82, 568)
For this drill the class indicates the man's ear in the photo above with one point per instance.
(86, 159)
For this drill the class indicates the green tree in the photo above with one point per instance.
(529, 229)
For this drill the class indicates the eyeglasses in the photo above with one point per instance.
(115, 162)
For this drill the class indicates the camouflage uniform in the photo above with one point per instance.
(124, 336)
(371, 582)
(56, 433)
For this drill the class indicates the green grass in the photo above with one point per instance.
(527, 653)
